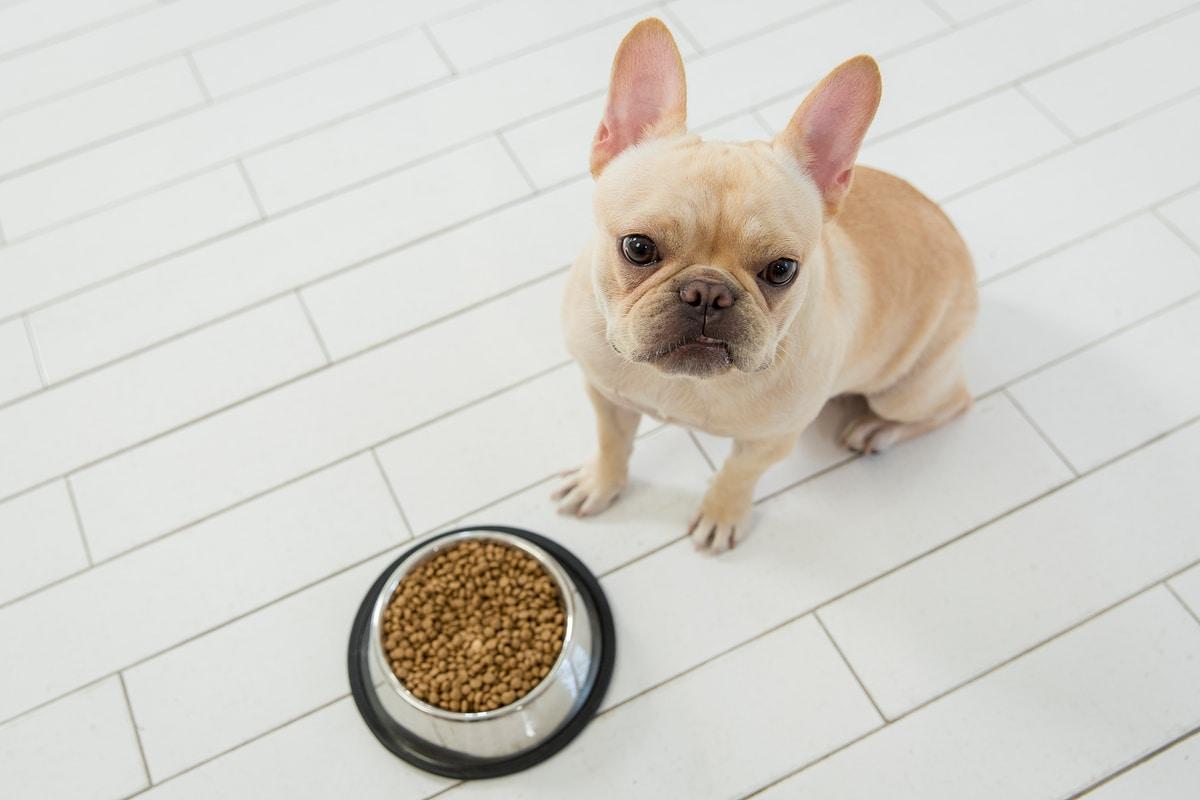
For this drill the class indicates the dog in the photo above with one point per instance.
(734, 288)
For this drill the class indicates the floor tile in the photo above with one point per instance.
(75, 423)
(1045, 726)
(73, 257)
(1118, 82)
(1005, 131)
(1184, 214)
(430, 121)
(81, 746)
(714, 23)
(199, 578)
(822, 539)
(1081, 191)
(18, 369)
(1170, 775)
(1067, 300)
(215, 134)
(248, 677)
(54, 128)
(1120, 393)
(667, 478)
(306, 425)
(1187, 586)
(469, 38)
(517, 438)
(409, 288)
(109, 49)
(295, 760)
(39, 540)
(956, 613)
(919, 84)
(323, 32)
(26, 25)
(202, 284)
(790, 681)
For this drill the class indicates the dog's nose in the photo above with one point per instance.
(706, 295)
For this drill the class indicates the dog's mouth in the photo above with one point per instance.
(699, 356)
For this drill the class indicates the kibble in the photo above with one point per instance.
(475, 627)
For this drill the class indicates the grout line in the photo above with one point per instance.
(295, 378)
(231, 33)
(37, 355)
(100, 142)
(308, 473)
(195, 68)
(451, 67)
(258, 204)
(1137, 763)
(71, 33)
(959, 687)
(703, 453)
(1157, 211)
(677, 24)
(240, 745)
(882, 717)
(1023, 90)
(312, 324)
(392, 491)
(136, 734)
(945, 16)
(1191, 611)
(516, 161)
(759, 635)
(87, 550)
(1045, 438)
(481, 215)
(768, 130)
(1083, 237)
(1099, 340)
(251, 152)
(538, 115)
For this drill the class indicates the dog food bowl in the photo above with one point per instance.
(508, 739)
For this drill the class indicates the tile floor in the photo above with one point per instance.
(247, 251)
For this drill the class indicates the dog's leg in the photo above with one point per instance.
(724, 516)
(592, 488)
(930, 396)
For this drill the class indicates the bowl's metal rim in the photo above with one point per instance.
(566, 589)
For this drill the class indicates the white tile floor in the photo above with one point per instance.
(278, 293)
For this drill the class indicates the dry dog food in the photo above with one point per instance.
(475, 627)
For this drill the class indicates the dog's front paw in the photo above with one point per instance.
(716, 529)
(588, 490)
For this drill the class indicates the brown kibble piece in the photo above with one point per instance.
(475, 627)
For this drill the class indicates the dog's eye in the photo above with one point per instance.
(780, 272)
(639, 250)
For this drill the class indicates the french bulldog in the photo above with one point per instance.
(734, 288)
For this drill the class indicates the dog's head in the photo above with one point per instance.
(708, 250)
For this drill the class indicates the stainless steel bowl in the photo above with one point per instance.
(506, 739)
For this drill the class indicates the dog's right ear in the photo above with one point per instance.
(647, 95)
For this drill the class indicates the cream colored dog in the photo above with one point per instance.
(735, 288)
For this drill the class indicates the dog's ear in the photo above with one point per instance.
(647, 95)
(827, 129)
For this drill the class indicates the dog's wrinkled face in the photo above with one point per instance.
(705, 253)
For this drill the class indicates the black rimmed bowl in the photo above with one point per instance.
(508, 739)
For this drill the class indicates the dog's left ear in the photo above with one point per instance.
(647, 95)
(828, 128)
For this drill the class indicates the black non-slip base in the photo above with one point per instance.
(441, 761)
